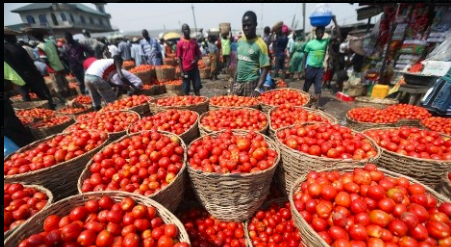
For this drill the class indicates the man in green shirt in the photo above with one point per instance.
(226, 50)
(314, 53)
(252, 54)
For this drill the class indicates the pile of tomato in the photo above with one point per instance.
(230, 153)
(20, 203)
(83, 99)
(283, 96)
(71, 110)
(128, 102)
(204, 230)
(439, 124)
(413, 142)
(273, 227)
(48, 153)
(144, 163)
(26, 120)
(142, 68)
(226, 118)
(173, 82)
(174, 121)
(181, 100)
(233, 101)
(106, 222)
(366, 208)
(50, 122)
(109, 121)
(373, 115)
(287, 114)
(405, 111)
(327, 140)
(36, 113)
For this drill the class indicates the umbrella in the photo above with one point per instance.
(171, 35)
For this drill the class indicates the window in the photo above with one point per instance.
(91, 20)
(30, 19)
(42, 19)
(54, 20)
(63, 17)
(72, 19)
(100, 22)
(82, 19)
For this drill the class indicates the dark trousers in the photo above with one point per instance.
(226, 62)
(313, 76)
(80, 76)
(13, 128)
(279, 65)
(194, 77)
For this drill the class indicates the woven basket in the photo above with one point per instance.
(331, 119)
(216, 107)
(73, 97)
(41, 133)
(128, 67)
(374, 102)
(266, 108)
(295, 164)
(27, 105)
(170, 196)
(361, 126)
(265, 206)
(64, 207)
(165, 73)
(145, 76)
(170, 61)
(151, 91)
(74, 116)
(174, 89)
(49, 202)
(200, 108)
(204, 131)
(233, 197)
(408, 122)
(205, 73)
(427, 171)
(142, 109)
(58, 178)
(445, 187)
(225, 27)
(309, 236)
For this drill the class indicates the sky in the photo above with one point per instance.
(136, 16)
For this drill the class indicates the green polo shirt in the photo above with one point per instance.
(316, 50)
(252, 55)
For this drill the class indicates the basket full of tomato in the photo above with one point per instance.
(368, 206)
(50, 126)
(232, 101)
(364, 118)
(421, 154)
(282, 96)
(198, 104)
(103, 219)
(231, 172)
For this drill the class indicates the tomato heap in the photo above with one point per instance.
(326, 140)
(128, 63)
(180, 101)
(19, 97)
(405, 111)
(36, 113)
(439, 124)
(204, 230)
(127, 103)
(86, 116)
(174, 121)
(226, 118)
(229, 153)
(274, 227)
(83, 99)
(372, 115)
(367, 208)
(142, 68)
(173, 82)
(104, 223)
(20, 203)
(48, 153)
(283, 96)
(26, 120)
(233, 101)
(110, 121)
(144, 164)
(413, 142)
(281, 83)
(71, 110)
(50, 122)
(287, 114)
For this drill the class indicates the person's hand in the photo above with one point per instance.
(193, 62)
(334, 19)
(255, 94)
(74, 104)
(182, 74)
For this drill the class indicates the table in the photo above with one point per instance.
(416, 92)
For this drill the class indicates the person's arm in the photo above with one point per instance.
(179, 52)
(198, 55)
(338, 32)
(264, 65)
(304, 59)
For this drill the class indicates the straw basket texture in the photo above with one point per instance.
(408, 122)
(309, 236)
(174, 89)
(233, 197)
(199, 108)
(43, 132)
(145, 76)
(170, 61)
(88, 108)
(58, 178)
(266, 108)
(205, 73)
(204, 130)
(142, 109)
(427, 171)
(225, 27)
(374, 102)
(326, 116)
(170, 196)
(361, 126)
(295, 164)
(49, 202)
(64, 207)
(26, 105)
(165, 73)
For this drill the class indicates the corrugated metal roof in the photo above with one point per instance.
(38, 6)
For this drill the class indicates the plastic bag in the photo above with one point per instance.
(9, 146)
(322, 9)
(442, 52)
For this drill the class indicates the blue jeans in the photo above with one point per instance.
(80, 76)
(313, 76)
(440, 97)
(194, 77)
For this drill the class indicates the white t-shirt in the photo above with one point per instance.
(113, 50)
(343, 47)
(103, 68)
(131, 77)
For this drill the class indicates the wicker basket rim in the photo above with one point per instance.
(237, 175)
(53, 126)
(257, 103)
(28, 104)
(376, 100)
(182, 170)
(404, 156)
(154, 101)
(306, 109)
(231, 109)
(359, 122)
(296, 187)
(150, 98)
(288, 89)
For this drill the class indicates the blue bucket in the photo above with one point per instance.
(320, 21)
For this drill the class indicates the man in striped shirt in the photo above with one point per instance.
(150, 49)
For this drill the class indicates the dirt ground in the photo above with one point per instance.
(328, 102)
